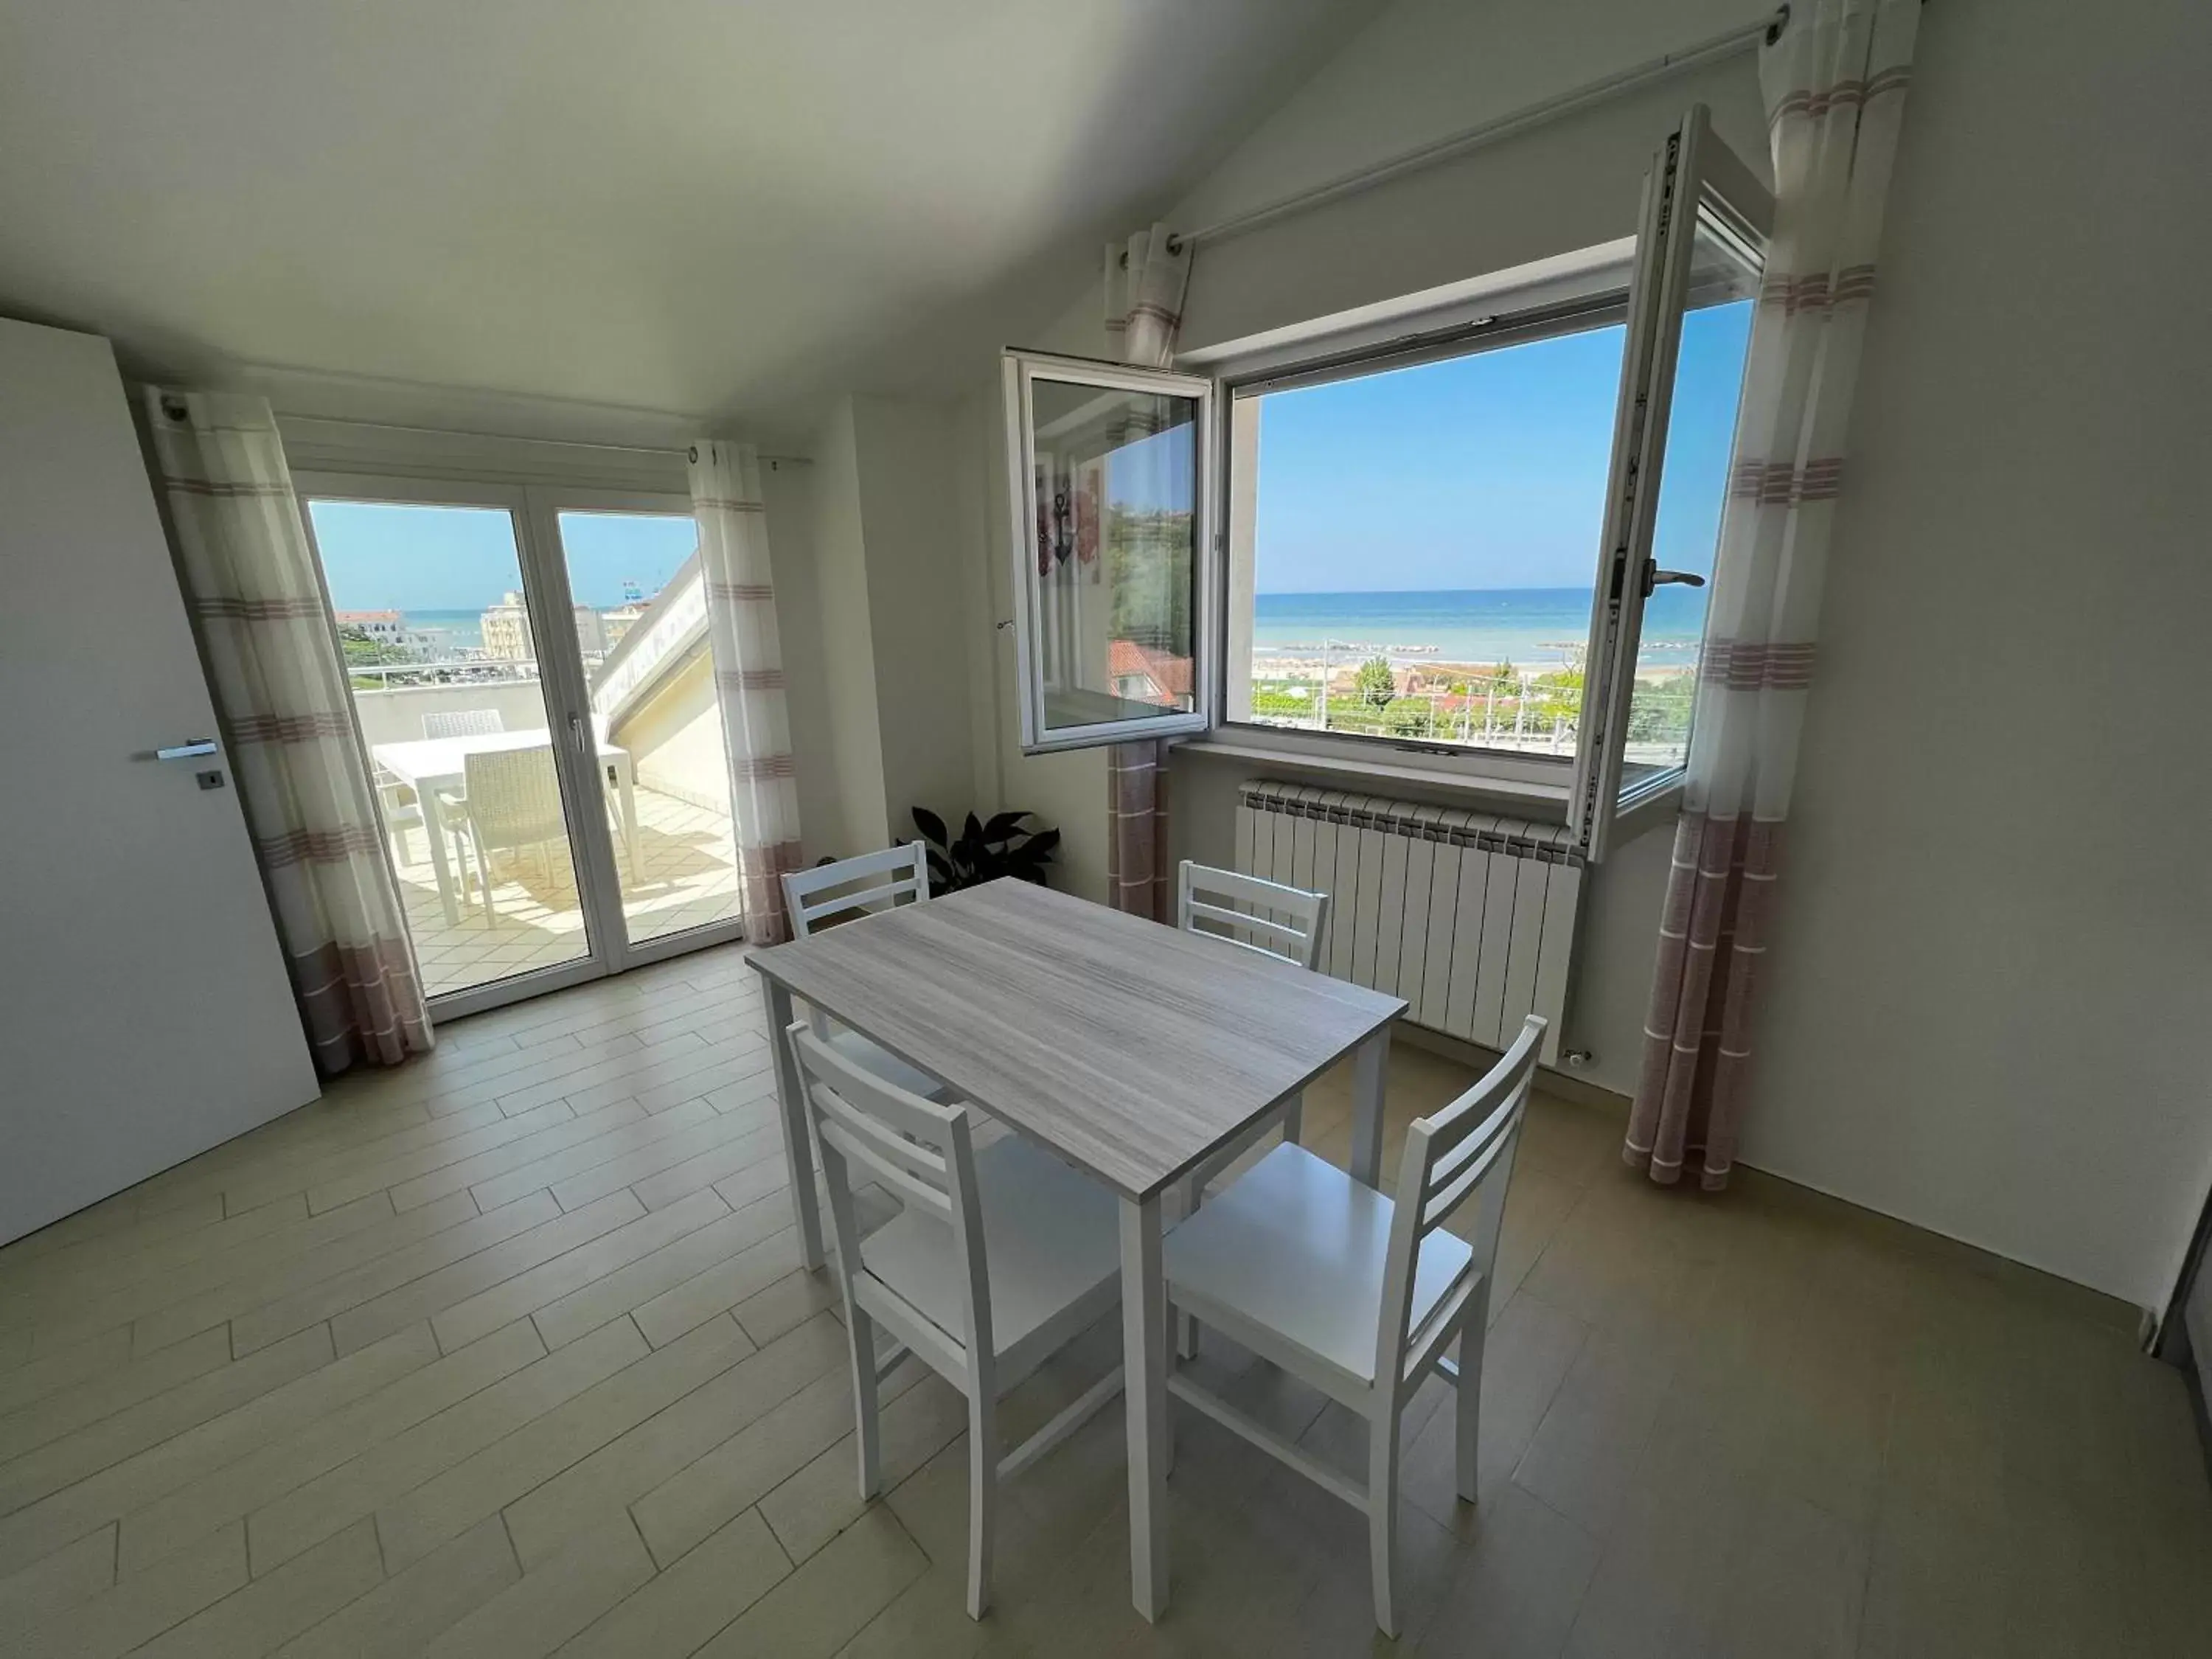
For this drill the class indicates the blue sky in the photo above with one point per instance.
(1485, 471)
(384, 556)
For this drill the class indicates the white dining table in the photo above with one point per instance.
(433, 766)
(1135, 1052)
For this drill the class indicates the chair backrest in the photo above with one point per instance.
(1464, 1151)
(1261, 915)
(463, 723)
(921, 1153)
(513, 796)
(895, 875)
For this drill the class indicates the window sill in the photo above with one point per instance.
(1544, 802)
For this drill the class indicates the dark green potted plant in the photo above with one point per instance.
(983, 851)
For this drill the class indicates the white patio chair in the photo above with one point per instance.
(1274, 920)
(511, 799)
(463, 723)
(819, 896)
(1002, 1257)
(400, 810)
(1360, 1294)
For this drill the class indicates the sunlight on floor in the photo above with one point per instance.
(685, 876)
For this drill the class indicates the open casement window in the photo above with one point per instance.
(1701, 244)
(1113, 539)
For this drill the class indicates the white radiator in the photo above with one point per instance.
(1469, 917)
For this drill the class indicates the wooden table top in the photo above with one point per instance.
(1131, 1050)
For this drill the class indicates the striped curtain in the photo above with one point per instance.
(733, 557)
(1146, 280)
(264, 628)
(1834, 85)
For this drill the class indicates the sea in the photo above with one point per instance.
(1532, 627)
(455, 630)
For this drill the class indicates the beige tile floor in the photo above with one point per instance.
(686, 876)
(506, 1354)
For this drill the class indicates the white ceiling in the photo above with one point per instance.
(707, 207)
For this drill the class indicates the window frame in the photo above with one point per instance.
(534, 503)
(1020, 371)
(1640, 282)
(1594, 294)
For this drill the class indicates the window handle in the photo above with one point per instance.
(1655, 577)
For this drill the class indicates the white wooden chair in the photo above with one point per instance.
(1275, 920)
(1001, 1258)
(816, 897)
(1359, 1294)
(463, 723)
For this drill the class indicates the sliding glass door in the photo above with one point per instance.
(538, 708)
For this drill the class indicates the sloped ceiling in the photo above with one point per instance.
(707, 207)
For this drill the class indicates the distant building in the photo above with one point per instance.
(385, 626)
(1141, 674)
(506, 630)
(619, 621)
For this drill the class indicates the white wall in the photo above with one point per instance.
(1992, 962)
(916, 604)
(853, 803)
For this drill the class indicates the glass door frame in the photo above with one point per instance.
(533, 511)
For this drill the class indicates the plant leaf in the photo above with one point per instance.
(931, 826)
(973, 830)
(1042, 843)
(1003, 825)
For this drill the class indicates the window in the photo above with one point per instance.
(1110, 530)
(1414, 537)
(1492, 542)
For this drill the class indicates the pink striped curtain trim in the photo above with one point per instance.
(227, 491)
(1844, 94)
(727, 505)
(360, 1003)
(289, 728)
(319, 846)
(1818, 291)
(751, 593)
(1783, 484)
(750, 679)
(225, 608)
(1750, 665)
(765, 766)
(1169, 321)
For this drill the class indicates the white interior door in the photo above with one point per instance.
(147, 1015)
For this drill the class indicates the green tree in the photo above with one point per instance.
(1375, 684)
(1408, 717)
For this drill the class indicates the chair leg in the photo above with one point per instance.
(867, 1432)
(1294, 1119)
(982, 1500)
(1467, 1427)
(1383, 1519)
(1185, 1334)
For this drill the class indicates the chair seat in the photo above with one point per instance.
(1051, 1240)
(874, 1058)
(1296, 1246)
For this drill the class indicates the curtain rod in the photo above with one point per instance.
(1768, 31)
(681, 451)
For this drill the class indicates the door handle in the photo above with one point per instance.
(190, 749)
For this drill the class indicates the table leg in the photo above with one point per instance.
(797, 1154)
(626, 782)
(1370, 1067)
(433, 829)
(1145, 1374)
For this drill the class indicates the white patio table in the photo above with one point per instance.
(430, 766)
